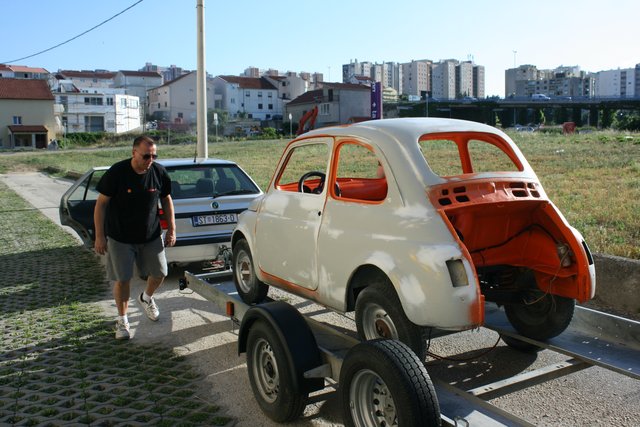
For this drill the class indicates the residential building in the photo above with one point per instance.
(478, 82)
(417, 78)
(137, 83)
(620, 83)
(290, 85)
(88, 81)
(169, 73)
(248, 97)
(22, 72)
(175, 101)
(27, 113)
(464, 79)
(443, 79)
(104, 110)
(527, 80)
(338, 103)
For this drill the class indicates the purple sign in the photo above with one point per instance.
(376, 100)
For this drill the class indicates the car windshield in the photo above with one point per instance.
(192, 181)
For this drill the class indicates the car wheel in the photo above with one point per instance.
(379, 314)
(277, 393)
(250, 289)
(541, 315)
(384, 384)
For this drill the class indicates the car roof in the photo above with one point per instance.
(406, 129)
(172, 163)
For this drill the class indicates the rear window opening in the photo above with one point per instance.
(188, 182)
(455, 154)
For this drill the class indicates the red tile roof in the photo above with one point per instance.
(87, 74)
(22, 69)
(249, 82)
(141, 73)
(27, 128)
(25, 89)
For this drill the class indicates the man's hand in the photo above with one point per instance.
(100, 245)
(170, 238)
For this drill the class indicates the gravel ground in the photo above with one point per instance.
(196, 334)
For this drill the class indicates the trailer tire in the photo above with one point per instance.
(382, 382)
(379, 314)
(250, 289)
(274, 388)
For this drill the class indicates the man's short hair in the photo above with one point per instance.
(143, 140)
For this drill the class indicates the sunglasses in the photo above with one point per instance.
(149, 156)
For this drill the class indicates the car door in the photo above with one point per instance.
(289, 220)
(78, 202)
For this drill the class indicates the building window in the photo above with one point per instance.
(232, 101)
(165, 104)
(92, 100)
(17, 120)
(259, 106)
(259, 94)
(270, 106)
(109, 101)
(158, 105)
(270, 95)
(325, 109)
(93, 124)
(247, 94)
(192, 103)
(180, 115)
(123, 103)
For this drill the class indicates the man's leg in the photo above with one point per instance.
(121, 293)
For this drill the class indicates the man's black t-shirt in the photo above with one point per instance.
(132, 212)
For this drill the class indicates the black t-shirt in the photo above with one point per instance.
(132, 212)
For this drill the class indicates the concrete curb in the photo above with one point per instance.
(618, 282)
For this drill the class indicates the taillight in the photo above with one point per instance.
(163, 222)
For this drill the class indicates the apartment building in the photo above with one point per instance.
(247, 97)
(527, 80)
(175, 101)
(620, 83)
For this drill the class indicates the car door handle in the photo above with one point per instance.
(319, 213)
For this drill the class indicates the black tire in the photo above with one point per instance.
(250, 289)
(520, 345)
(383, 383)
(273, 385)
(379, 314)
(544, 317)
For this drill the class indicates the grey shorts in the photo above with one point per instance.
(148, 257)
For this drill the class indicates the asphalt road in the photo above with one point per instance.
(198, 330)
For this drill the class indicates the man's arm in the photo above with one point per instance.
(99, 213)
(167, 207)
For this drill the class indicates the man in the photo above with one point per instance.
(128, 229)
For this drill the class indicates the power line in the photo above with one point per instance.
(73, 38)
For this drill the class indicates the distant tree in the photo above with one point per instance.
(627, 120)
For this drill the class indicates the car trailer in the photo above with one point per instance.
(290, 356)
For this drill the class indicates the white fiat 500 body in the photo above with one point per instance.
(413, 223)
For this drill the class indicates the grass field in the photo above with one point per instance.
(593, 178)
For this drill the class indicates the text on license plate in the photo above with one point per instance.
(200, 220)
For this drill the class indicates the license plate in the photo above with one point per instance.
(200, 220)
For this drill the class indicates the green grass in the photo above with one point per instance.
(593, 178)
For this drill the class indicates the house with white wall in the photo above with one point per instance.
(22, 72)
(247, 97)
(176, 101)
(97, 109)
(338, 103)
(27, 116)
(137, 83)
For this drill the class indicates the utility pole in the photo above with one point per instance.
(201, 87)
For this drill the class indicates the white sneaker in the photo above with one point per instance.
(150, 308)
(122, 330)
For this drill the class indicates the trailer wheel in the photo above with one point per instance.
(250, 289)
(383, 383)
(541, 316)
(379, 314)
(274, 388)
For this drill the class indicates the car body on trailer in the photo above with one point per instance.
(208, 195)
(413, 223)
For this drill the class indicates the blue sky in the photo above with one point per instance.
(322, 35)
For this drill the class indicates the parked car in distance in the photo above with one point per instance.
(208, 195)
(540, 97)
(413, 223)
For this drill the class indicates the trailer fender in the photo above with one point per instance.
(299, 344)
